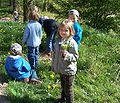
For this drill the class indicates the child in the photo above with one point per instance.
(17, 67)
(64, 60)
(15, 14)
(32, 36)
(50, 27)
(74, 16)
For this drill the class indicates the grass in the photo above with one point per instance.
(6, 12)
(95, 81)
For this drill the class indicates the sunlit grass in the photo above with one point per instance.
(95, 81)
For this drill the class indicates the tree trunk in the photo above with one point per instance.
(25, 10)
(0, 2)
(11, 2)
(26, 5)
(15, 5)
(45, 7)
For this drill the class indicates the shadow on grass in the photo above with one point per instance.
(3, 79)
(27, 99)
(3, 99)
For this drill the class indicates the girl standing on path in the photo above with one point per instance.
(64, 60)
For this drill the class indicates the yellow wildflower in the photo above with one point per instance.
(48, 86)
(82, 57)
(4, 55)
(52, 76)
(56, 85)
(3, 30)
(94, 58)
(0, 25)
(8, 53)
(1, 64)
(53, 86)
(76, 75)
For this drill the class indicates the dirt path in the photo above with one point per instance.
(3, 85)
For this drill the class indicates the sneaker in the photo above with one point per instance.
(49, 53)
(35, 81)
(24, 80)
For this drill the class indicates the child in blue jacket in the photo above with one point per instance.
(17, 67)
(74, 16)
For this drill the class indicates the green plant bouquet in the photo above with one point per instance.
(64, 45)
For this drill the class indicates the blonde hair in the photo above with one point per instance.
(34, 8)
(69, 24)
(34, 16)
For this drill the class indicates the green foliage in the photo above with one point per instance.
(100, 14)
(6, 12)
(11, 32)
(95, 81)
(99, 56)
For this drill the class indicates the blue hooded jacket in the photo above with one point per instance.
(17, 67)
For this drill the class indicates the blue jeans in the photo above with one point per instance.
(33, 56)
(33, 75)
(51, 41)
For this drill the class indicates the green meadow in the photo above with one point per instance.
(96, 80)
(98, 69)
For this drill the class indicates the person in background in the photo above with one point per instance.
(17, 67)
(50, 27)
(16, 15)
(64, 60)
(32, 36)
(74, 16)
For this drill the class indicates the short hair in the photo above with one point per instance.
(34, 16)
(74, 12)
(69, 24)
(16, 49)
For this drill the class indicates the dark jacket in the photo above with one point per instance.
(50, 25)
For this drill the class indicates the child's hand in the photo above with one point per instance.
(64, 53)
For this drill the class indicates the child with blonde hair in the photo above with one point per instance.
(64, 60)
(32, 37)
